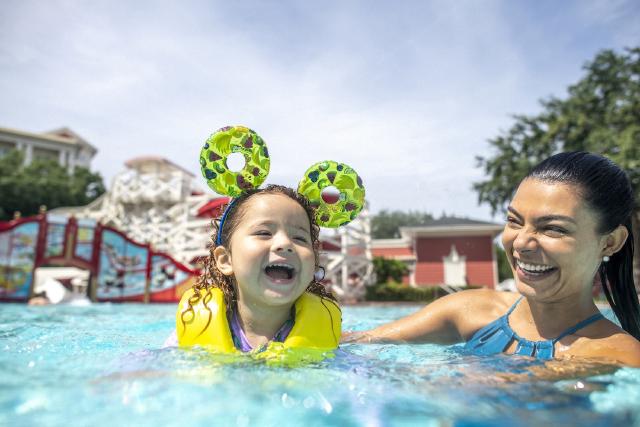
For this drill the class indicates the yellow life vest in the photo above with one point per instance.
(317, 324)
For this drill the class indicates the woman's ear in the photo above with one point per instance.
(223, 260)
(615, 240)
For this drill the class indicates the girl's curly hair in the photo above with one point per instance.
(212, 277)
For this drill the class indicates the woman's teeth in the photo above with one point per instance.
(533, 268)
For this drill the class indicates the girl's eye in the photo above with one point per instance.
(262, 233)
(301, 239)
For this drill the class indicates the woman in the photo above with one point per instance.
(569, 219)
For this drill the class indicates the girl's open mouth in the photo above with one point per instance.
(280, 273)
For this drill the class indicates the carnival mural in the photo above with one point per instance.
(123, 267)
(55, 236)
(120, 269)
(17, 259)
(167, 276)
(84, 240)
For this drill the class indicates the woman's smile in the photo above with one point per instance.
(532, 272)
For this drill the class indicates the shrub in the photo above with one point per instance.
(399, 292)
(388, 270)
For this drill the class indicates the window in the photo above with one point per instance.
(5, 147)
(45, 154)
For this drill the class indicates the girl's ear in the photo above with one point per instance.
(223, 260)
(615, 240)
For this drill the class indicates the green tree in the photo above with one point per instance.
(601, 114)
(388, 270)
(504, 268)
(386, 224)
(43, 182)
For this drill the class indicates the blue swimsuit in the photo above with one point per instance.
(498, 335)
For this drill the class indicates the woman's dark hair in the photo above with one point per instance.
(212, 277)
(607, 191)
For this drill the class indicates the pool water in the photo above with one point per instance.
(104, 365)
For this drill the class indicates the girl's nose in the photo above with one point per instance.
(282, 242)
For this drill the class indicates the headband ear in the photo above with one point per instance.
(216, 150)
(333, 211)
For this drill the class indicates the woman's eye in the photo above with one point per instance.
(512, 221)
(555, 231)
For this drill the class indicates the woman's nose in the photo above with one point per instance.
(525, 241)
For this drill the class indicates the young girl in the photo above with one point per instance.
(258, 287)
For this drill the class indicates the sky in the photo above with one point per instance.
(406, 92)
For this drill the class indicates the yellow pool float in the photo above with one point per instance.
(315, 333)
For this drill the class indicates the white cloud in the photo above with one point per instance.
(407, 93)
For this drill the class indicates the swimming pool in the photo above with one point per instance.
(103, 365)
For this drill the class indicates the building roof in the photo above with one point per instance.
(452, 226)
(399, 249)
(453, 220)
(390, 243)
(65, 132)
(62, 135)
(155, 163)
(399, 253)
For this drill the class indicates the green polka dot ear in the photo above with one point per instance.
(334, 189)
(336, 192)
(218, 148)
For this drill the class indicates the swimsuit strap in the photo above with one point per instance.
(569, 331)
(513, 307)
(578, 326)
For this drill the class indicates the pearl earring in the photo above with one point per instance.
(605, 258)
(319, 274)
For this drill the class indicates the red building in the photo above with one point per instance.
(450, 251)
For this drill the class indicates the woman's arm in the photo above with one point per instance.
(447, 320)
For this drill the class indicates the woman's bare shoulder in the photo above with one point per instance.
(486, 301)
(478, 307)
(628, 350)
(608, 341)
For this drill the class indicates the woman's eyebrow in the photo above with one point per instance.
(515, 212)
(548, 218)
(545, 218)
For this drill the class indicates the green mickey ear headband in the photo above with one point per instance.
(330, 212)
